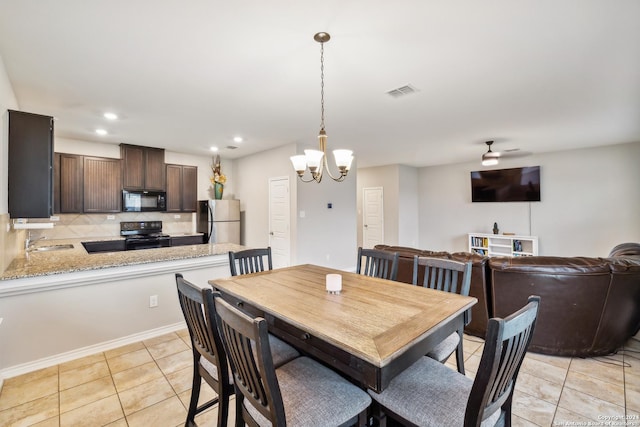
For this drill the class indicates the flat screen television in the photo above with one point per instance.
(506, 185)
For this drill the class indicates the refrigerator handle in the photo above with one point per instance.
(210, 223)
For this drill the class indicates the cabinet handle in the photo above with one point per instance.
(306, 336)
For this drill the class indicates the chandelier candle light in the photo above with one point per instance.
(316, 160)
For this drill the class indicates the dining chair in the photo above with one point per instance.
(449, 276)
(210, 361)
(381, 264)
(429, 393)
(300, 393)
(250, 261)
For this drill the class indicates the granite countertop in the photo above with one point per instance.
(43, 263)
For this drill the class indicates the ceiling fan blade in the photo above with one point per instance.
(514, 154)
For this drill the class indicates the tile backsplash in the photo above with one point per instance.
(81, 226)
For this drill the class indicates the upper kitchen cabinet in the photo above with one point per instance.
(30, 165)
(102, 185)
(142, 168)
(68, 171)
(182, 188)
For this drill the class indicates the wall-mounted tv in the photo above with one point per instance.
(506, 185)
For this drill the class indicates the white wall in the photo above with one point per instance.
(8, 238)
(252, 175)
(408, 220)
(590, 202)
(7, 102)
(387, 178)
(400, 198)
(324, 236)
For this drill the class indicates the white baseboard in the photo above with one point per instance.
(46, 362)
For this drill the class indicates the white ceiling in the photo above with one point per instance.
(539, 75)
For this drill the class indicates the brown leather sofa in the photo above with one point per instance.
(589, 306)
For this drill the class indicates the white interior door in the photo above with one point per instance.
(372, 217)
(279, 221)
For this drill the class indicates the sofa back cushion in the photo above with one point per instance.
(573, 292)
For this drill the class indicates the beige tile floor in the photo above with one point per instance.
(148, 384)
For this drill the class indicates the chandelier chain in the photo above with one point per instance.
(322, 86)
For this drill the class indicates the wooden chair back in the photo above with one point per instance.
(377, 263)
(504, 350)
(443, 274)
(253, 373)
(196, 304)
(250, 261)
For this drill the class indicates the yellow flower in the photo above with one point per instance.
(218, 176)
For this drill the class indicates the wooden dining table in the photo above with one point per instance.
(370, 332)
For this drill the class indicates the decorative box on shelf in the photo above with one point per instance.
(502, 244)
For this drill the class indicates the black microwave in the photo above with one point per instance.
(144, 201)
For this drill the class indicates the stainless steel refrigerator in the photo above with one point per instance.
(219, 220)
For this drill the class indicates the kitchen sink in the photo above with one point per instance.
(52, 248)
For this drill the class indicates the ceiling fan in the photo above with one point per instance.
(490, 158)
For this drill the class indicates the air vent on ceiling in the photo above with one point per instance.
(231, 147)
(402, 91)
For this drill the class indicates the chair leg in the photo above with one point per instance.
(195, 392)
(223, 407)
(239, 404)
(362, 419)
(379, 417)
(460, 352)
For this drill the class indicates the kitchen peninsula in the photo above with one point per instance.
(45, 263)
(58, 305)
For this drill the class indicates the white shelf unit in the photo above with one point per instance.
(503, 245)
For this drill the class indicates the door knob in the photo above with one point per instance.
(271, 233)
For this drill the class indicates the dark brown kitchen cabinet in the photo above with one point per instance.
(30, 165)
(68, 183)
(102, 185)
(182, 188)
(143, 168)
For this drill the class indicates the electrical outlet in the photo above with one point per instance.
(109, 217)
(176, 217)
(153, 301)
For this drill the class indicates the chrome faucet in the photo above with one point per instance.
(28, 242)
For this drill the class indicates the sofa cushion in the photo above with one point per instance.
(625, 249)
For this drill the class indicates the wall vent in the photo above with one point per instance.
(402, 91)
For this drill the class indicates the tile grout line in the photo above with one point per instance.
(115, 388)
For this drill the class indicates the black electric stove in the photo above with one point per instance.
(143, 235)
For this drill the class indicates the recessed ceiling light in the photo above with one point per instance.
(101, 132)
(110, 116)
(213, 148)
(237, 139)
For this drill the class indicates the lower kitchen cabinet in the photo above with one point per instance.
(195, 239)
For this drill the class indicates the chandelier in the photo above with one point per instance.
(316, 160)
